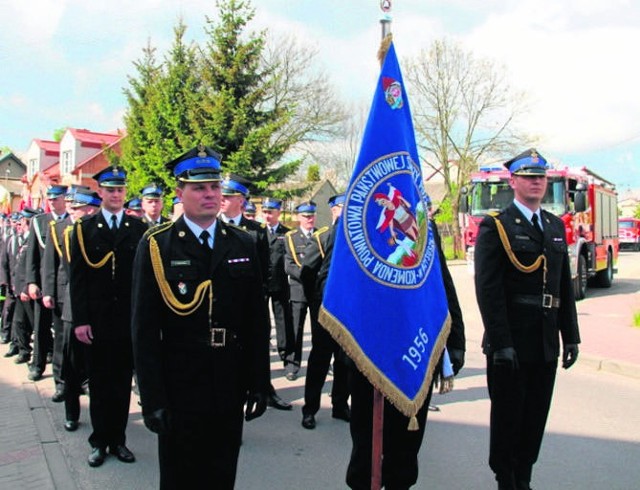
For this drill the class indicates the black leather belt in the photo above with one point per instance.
(544, 300)
(217, 338)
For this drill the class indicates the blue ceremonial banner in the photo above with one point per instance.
(384, 300)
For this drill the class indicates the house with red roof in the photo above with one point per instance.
(80, 154)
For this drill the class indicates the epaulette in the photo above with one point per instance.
(263, 225)
(159, 228)
(493, 213)
(290, 232)
(322, 230)
(236, 227)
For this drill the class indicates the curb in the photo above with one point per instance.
(61, 476)
(612, 366)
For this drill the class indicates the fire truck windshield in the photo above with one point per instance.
(495, 196)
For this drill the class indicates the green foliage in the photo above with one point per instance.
(58, 134)
(231, 94)
(636, 213)
(636, 319)
(313, 173)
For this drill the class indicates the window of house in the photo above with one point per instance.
(67, 162)
(33, 166)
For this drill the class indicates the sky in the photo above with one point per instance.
(66, 62)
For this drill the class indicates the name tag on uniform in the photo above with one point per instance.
(239, 260)
(522, 237)
(558, 239)
(177, 263)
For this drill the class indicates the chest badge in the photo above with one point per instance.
(182, 288)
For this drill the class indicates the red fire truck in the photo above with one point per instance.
(629, 233)
(586, 202)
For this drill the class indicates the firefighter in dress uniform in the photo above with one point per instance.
(526, 299)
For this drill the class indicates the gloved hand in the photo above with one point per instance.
(256, 405)
(569, 355)
(506, 358)
(158, 421)
(457, 359)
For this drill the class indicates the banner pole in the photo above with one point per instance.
(377, 437)
(378, 400)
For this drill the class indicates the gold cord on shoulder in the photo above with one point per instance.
(182, 309)
(541, 260)
(99, 264)
(67, 241)
(317, 237)
(292, 247)
(54, 237)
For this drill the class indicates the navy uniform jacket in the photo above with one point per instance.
(295, 248)
(259, 234)
(19, 272)
(500, 287)
(151, 224)
(101, 296)
(317, 256)
(277, 280)
(8, 261)
(55, 277)
(176, 365)
(38, 233)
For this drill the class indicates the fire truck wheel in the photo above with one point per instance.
(604, 278)
(580, 282)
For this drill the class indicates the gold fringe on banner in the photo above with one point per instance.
(384, 47)
(407, 407)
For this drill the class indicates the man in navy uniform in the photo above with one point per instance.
(249, 210)
(151, 201)
(235, 193)
(55, 295)
(133, 207)
(200, 343)
(44, 318)
(277, 282)
(314, 273)
(296, 242)
(525, 295)
(102, 251)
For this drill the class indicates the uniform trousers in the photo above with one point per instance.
(299, 314)
(281, 309)
(201, 449)
(520, 404)
(323, 347)
(58, 346)
(73, 371)
(42, 338)
(110, 364)
(399, 446)
(22, 325)
(7, 316)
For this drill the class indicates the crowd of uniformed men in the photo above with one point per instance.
(98, 286)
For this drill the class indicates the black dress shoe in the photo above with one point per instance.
(341, 414)
(22, 358)
(308, 421)
(58, 396)
(122, 453)
(70, 426)
(97, 457)
(13, 351)
(274, 401)
(34, 375)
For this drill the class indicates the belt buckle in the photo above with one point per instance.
(547, 301)
(218, 337)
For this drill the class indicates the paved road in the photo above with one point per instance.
(593, 439)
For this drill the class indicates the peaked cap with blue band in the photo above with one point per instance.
(529, 162)
(134, 204)
(271, 203)
(85, 197)
(200, 164)
(28, 213)
(56, 191)
(234, 185)
(72, 189)
(249, 208)
(307, 207)
(176, 200)
(152, 191)
(336, 200)
(111, 177)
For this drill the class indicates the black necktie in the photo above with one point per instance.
(536, 224)
(114, 223)
(204, 237)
